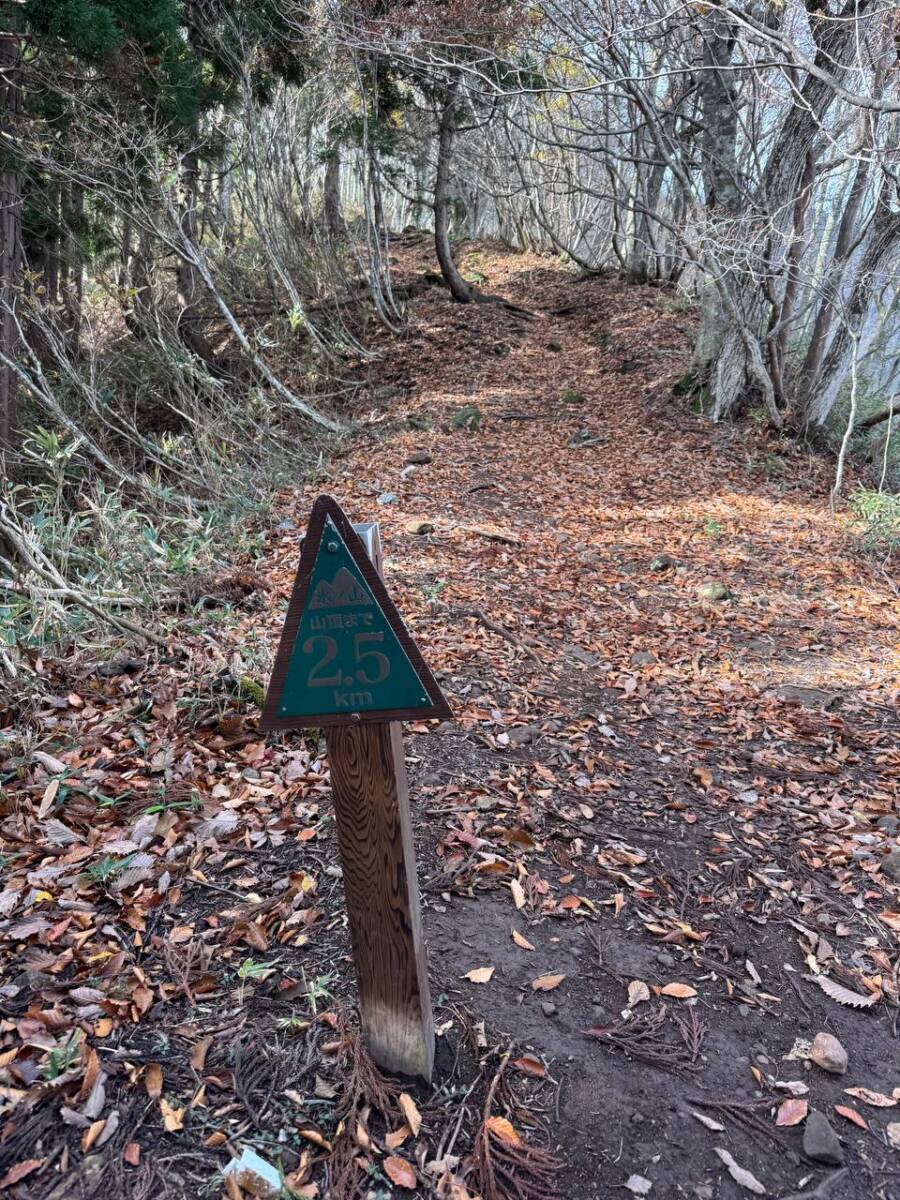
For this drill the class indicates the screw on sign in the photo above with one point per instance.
(347, 662)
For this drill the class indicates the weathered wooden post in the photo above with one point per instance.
(346, 662)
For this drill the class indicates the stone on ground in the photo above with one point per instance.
(820, 1142)
(828, 1053)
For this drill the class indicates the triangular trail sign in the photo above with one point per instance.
(345, 655)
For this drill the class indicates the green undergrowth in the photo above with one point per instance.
(877, 522)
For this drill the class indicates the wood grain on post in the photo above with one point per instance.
(374, 830)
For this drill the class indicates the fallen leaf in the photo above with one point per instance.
(531, 1066)
(132, 1154)
(707, 1121)
(399, 1172)
(681, 991)
(522, 942)
(876, 1099)
(173, 1118)
(852, 1115)
(546, 983)
(198, 1054)
(397, 1137)
(792, 1112)
(794, 1086)
(20, 1170)
(91, 1134)
(739, 1174)
(503, 1129)
(410, 1112)
(518, 893)
(313, 1135)
(844, 995)
(637, 992)
(153, 1081)
(893, 1134)
(638, 1185)
(55, 767)
(479, 974)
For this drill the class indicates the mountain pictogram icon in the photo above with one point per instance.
(342, 591)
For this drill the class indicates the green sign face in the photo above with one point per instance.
(348, 656)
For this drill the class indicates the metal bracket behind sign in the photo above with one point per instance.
(369, 534)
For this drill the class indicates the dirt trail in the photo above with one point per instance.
(683, 810)
(675, 685)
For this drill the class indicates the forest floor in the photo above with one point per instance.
(661, 827)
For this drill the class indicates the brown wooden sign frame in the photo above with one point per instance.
(325, 507)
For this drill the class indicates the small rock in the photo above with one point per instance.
(387, 498)
(418, 458)
(582, 655)
(643, 658)
(521, 735)
(713, 591)
(554, 347)
(548, 1008)
(581, 437)
(828, 1053)
(662, 562)
(809, 697)
(665, 959)
(123, 666)
(820, 1142)
(890, 866)
(888, 824)
(419, 526)
(599, 1012)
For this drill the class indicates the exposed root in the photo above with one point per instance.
(485, 620)
(364, 1089)
(507, 1167)
(643, 1038)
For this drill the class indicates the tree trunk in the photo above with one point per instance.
(848, 232)
(189, 282)
(459, 289)
(190, 288)
(331, 188)
(718, 142)
(731, 354)
(884, 238)
(72, 269)
(10, 237)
